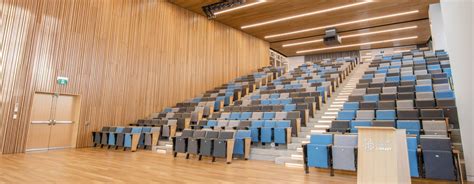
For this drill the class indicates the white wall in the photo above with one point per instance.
(437, 27)
(458, 26)
(295, 61)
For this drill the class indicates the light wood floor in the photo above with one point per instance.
(100, 165)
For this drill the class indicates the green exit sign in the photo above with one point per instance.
(62, 80)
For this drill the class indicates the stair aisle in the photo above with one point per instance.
(293, 156)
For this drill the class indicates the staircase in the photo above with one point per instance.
(292, 155)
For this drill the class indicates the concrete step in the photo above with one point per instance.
(287, 160)
(294, 146)
(262, 157)
(298, 139)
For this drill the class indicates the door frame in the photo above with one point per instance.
(75, 136)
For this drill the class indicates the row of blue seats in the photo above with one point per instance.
(264, 131)
(252, 115)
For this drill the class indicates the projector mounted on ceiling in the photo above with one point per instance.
(209, 10)
(332, 38)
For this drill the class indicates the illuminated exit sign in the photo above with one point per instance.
(62, 80)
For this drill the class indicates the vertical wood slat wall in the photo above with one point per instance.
(125, 58)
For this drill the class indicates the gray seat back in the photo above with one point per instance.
(226, 135)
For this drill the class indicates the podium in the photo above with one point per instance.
(382, 156)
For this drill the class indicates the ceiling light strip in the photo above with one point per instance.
(342, 24)
(400, 51)
(240, 7)
(378, 32)
(353, 35)
(304, 15)
(358, 44)
(302, 43)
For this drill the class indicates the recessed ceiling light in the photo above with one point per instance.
(343, 23)
(304, 15)
(357, 44)
(352, 35)
(240, 7)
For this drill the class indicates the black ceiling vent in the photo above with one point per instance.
(209, 10)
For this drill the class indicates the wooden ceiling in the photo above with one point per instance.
(275, 9)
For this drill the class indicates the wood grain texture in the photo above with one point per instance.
(125, 59)
(422, 31)
(275, 9)
(98, 165)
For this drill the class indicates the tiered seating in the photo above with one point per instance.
(409, 91)
(214, 143)
(278, 110)
(186, 114)
(127, 137)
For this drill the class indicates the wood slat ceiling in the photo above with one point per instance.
(275, 9)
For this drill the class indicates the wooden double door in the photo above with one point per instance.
(53, 122)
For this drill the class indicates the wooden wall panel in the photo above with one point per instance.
(125, 58)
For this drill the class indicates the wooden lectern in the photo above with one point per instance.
(382, 156)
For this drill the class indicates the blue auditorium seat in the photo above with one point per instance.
(234, 116)
(113, 136)
(368, 76)
(424, 88)
(382, 71)
(447, 71)
(265, 102)
(393, 79)
(350, 106)
(245, 115)
(386, 114)
(280, 131)
(371, 98)
(274, 101)
(346, 115)
(419, 61)
(267, 131)
(210, 124)
(129, 136)
(434, 67)
(318, 150)
(285, 101)
(275, 96)
(268, 115)
(239, 144)
(408, 78)
(412, 144)
(255, 129)
(411, 126)
(444, 95)
(196, 100)
(255, 97)
(355, 123)
(289, 107)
